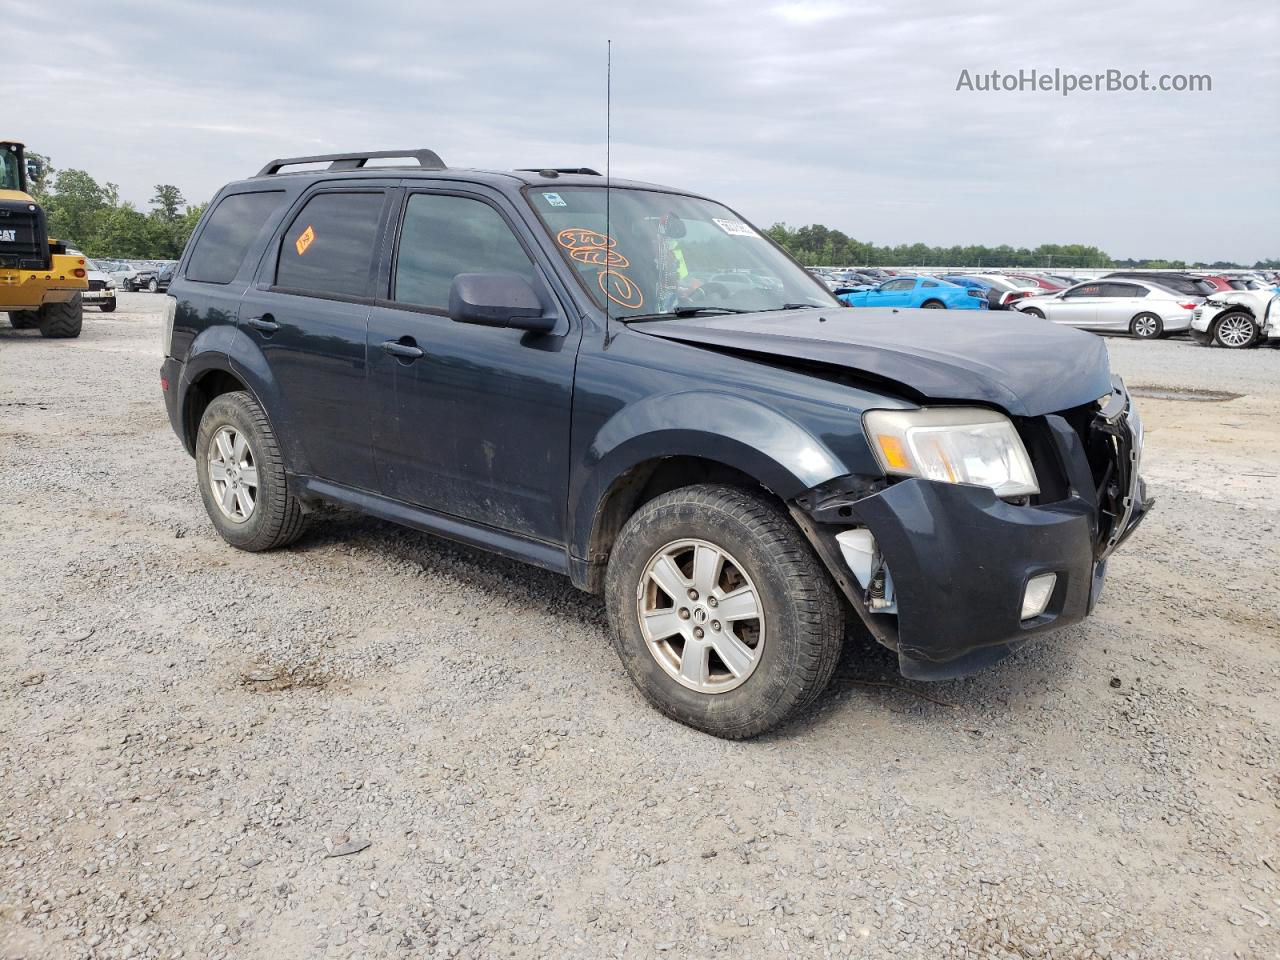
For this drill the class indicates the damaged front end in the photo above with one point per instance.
(953, 577)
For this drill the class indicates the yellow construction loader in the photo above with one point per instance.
(40, 283)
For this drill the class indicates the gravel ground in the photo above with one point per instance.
(376, 744)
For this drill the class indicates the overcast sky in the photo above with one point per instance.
(811, 111)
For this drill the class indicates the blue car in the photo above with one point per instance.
(928, 292)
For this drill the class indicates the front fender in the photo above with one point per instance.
(731, 430)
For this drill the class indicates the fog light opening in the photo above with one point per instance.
(1037, 595)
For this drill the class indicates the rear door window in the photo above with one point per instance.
(225, 239)
(328, 250)
(444, 236)
(1123, 290)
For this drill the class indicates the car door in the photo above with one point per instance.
(1076, 307)
(309, 315)
(477, 424)
(1118, 304)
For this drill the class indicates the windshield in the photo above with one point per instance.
(666, 254)
(9, 178)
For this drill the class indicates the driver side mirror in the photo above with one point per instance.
(497, 300)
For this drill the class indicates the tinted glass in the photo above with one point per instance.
(892, 285)
(929, 283)
(329, 247)
(225, 239)
(1123, 290)
(1085, 290)
(444, 236)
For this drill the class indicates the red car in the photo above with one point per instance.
(1219, 283)
(1041, 282)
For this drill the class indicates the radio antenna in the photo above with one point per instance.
(608, 171)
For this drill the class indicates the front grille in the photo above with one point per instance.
(97, 284)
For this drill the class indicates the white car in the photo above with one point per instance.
(1144, 310)
(102, 287)
(1238, 318)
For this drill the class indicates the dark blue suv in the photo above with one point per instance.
(631, 385)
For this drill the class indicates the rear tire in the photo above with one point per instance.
(274, 516)
(1033, 312)
(798, 632)
(107, 306)
(1147, 326)
(1236, 330)
(62, 321)
(24, 319)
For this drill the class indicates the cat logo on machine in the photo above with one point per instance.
(8, 236)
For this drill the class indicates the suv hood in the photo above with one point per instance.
(1026, 366)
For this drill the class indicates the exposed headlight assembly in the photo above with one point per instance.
(954, 445)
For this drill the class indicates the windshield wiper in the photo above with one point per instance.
(681, 312)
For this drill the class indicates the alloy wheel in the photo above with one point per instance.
(1145, 327)
(701, 616)
(1235, 331)
(233, 474)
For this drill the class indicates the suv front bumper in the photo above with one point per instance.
(960, 558)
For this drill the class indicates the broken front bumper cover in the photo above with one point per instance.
(961, 558)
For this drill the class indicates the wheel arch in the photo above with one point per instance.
(631, 461)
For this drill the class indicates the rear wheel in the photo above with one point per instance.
(24, 319)
(720, 611)
(1235, 331)
(1033, 312)
(62, 321)
(242, 477)
(1146, 326)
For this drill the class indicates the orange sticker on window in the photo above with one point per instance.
(305, 240)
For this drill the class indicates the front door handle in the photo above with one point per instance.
(404, 348)
(263, 323)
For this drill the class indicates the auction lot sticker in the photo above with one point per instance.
(305, 240)
(735, 228)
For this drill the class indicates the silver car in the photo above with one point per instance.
(1145, 310)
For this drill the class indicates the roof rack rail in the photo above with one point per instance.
(427, 160)
(583, 171)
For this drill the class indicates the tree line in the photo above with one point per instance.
(818, 245)
(91, 217)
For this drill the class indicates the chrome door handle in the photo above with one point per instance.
(398, 348)
(263, 323)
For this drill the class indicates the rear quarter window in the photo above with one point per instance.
(225, 240)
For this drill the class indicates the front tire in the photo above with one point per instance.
(934, 305)
(62, 321)
(1235, 331)
(242, 476)
(720, 611)
(24, 319)
(107, 306)
(153, 286)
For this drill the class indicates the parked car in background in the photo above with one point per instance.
(164, 276)
(1141, 309)
(1185, 283)
(123, 274)
(102, 289)
(1237, 319)
(929, 293)
(1040, 283)
(1001, 292)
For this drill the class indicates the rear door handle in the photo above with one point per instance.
(404, 347)
(263, 323)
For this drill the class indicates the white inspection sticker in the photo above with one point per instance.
(734, 228)
(554, 199)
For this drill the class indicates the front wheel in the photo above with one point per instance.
(1146, 326)
(1235, 331)
(153, 286)
(242, 477)
(720, 611)
(934, 305)
(107, 306)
